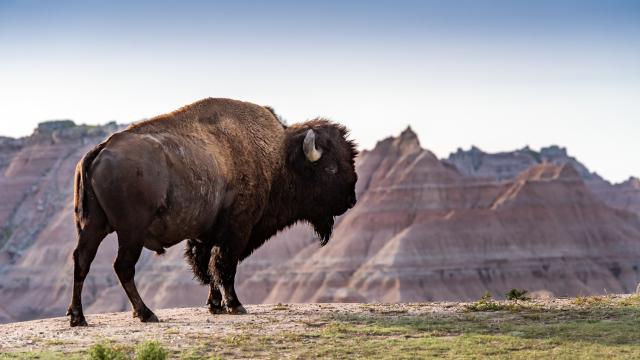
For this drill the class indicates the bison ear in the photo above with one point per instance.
(312, 153)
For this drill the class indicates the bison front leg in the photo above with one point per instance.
(198, 255)
(222, 266)
(215, 300)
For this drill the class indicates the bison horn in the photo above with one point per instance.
(309, 147)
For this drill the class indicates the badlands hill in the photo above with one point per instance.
(424, 229)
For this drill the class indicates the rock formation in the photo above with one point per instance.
(507, 165)
(422, 230)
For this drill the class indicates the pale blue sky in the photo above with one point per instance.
(496, 74)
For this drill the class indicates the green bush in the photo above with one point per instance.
(151, 350)
(106, 351)
(517, 294)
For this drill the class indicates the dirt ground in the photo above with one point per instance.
(176, 325)
(584, 327)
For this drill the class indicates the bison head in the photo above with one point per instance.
(322, 161)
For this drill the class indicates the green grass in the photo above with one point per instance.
(585, 328)
(148, 350)
(522, 332)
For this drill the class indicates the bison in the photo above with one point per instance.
(223, 174)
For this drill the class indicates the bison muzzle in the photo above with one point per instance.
(226, 175)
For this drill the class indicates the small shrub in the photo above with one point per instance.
(151, 350)
(106, 351)
(280, 307)
(517, 294)
(486, 303)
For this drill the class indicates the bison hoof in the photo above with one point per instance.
(77, 318)
(215, 310)
(150, 319)
(237, 310)
(146, 316)
(78, 321)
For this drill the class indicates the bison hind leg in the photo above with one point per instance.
(129, 252)
(89, 239)
(197, 255)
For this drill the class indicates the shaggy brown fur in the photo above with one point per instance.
(225, 174)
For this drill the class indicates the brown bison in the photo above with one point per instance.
(225, 174)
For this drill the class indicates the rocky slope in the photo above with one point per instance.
(423, 229)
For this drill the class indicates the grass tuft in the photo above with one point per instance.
(107, 351)
(151, 350)
(280, 307)
(485, 303)
(591, 301)
(633, 300)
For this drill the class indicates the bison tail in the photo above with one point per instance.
(83, 192)
(197, 255)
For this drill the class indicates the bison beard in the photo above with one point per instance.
(197, 255)
(323, 229)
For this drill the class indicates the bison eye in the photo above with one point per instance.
(331, 169)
